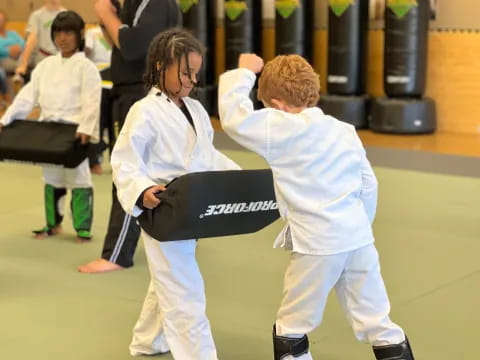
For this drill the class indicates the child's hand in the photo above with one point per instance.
(84, 138)
(150, 201)
(251, 62)
(21, 69)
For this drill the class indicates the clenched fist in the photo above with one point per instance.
(251, 62)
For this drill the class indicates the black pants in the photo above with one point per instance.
(123, 232)
(95, 151)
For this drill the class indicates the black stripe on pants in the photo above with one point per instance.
(122, 235)
(123, 232)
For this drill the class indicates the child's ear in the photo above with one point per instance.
(278, 104)
(158, 65)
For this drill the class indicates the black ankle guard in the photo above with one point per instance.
(400, 351)
(284, 346)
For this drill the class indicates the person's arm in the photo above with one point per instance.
(24, 101)
(369, 191)
(14, 51)
(249, 128)
(109, 20)
(91, 93)
(128, 164)
(133, 41)
(27, 53)
(30, 45)
(106, 35)
(21, 106)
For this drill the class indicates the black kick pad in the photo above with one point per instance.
(42, 142)
(350, 109)
(403, 115)
(213, 203)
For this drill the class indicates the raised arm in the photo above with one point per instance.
(239, 120)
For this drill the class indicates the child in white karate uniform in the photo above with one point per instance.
(327, 193)
(67, 88)
(168, 134)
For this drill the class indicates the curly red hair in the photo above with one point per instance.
(289, 78)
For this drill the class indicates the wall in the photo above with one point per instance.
(452, 14)
(453, 78)
(18, 10)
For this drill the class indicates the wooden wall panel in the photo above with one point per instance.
(453, 78)
(19, 10)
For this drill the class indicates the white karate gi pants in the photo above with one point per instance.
(79, 177)
(359, 286)
(173, 314)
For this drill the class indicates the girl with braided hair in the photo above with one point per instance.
(168, 134)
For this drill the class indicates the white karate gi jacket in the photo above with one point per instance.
(157, 144)
(325, 187)
(66, 89)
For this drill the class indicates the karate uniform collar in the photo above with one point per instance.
(79, 54)
(157, 92)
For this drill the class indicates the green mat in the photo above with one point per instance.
(428, 236)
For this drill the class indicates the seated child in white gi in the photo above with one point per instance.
(168, 134)
(67, 88)
(327, 193)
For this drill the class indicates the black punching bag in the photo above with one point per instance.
(294, 27)
(347, 62)
(347, 47)
(405, 110)
(243, 29)
(199, 18)
(405, 51)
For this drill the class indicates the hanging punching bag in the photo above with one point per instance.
(347, 47)
(405, 111)
(294, 27)
(243, 34)
(199, 18)
(405, 51)
(243, 29)
(347, 59)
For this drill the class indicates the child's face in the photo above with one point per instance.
(188, 78)
(66, 42)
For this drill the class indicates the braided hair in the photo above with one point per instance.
(166, 48)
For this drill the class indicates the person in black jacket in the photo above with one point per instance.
(130, 31)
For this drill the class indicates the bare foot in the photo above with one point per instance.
(44, 233)
(99, 266)
(81, 240)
